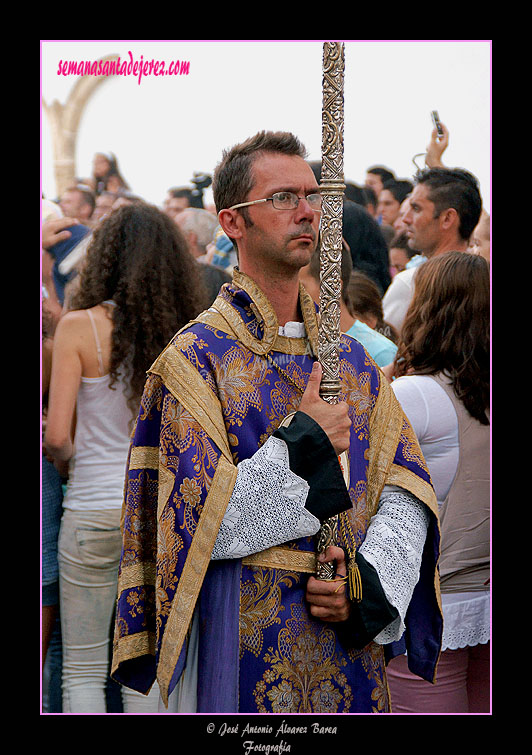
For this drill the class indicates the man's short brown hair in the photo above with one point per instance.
(233, 178)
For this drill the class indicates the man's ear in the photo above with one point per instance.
(231, 222)
(449, 219)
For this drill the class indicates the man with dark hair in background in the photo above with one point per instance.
(78, 202)
(376, 177)
(443, 211)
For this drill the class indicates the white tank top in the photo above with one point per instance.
(101, 444)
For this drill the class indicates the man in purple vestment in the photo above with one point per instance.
(217, 596)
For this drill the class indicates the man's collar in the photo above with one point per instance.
(264, 313)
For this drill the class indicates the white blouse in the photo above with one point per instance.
(466, 616)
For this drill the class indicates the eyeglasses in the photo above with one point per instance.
(285, 200)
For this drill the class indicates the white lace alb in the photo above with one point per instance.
(267, 506)
(394, 547)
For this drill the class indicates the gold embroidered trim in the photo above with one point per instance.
(224, 317)
(213, 319)
(291, 346)
(144, 457)
(283, 558)
(186, 384)
(242, 334)
(283, 344)
(136, 575)
(134, 646)
(165, 487)
(404, 478)
(193, 573)
(385, 426)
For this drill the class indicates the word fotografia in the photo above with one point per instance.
(278, 748)
(120, 67)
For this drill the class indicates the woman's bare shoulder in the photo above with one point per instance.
(78, 319)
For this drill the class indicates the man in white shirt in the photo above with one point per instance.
(443, 210)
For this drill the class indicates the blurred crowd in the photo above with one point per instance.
(120, 276)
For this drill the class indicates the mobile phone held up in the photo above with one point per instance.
(437, 122)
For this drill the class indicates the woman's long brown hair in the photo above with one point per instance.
(447, 327)
(139, 258)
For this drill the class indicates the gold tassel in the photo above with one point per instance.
(354, 579)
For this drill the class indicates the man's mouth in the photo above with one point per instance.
(306, 235)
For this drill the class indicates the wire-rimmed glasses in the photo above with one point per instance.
(286, 200)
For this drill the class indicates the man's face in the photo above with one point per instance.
(72, 205)
(480, 239)
(104, 205)
(388, 207)
(398, 259)
(374, 181)
(175, 205)
(398, 223)
(280, 239)
(422, 228)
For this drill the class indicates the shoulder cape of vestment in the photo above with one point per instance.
(211, 400)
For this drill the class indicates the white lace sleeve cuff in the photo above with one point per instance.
(394, 547)
(267, 506)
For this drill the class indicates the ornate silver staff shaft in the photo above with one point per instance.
(332, 189)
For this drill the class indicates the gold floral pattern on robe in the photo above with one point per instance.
(169, 546)
(151, 397)
(410, 445)
(304, 672)
(357, 391)
(137, 540)
(372, 659)
(260, 605)
(239, 377)
(189, 343)
(180, 431)
(284, 397)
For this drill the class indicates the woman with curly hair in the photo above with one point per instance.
(442, 371)
(138, 286)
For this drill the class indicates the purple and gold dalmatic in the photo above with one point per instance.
(217, 392)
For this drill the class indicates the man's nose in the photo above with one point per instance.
(304, 211)
(407, 218)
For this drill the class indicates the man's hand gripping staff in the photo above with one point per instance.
(329, 600)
